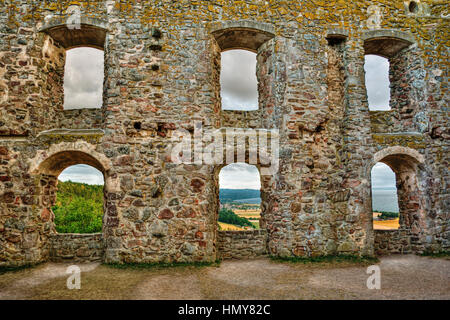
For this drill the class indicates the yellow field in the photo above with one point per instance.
(229, 227)
(249, 214)
(253, 215)
(386, 224)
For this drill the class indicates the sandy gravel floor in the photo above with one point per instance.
(402, 277)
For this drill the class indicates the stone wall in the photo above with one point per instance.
(391, 242)
(88, 118)
(242, 244)
(162, 73)
(241, 119)
(76, 247)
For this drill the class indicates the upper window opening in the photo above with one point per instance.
(384, 198)
(83, 78)
(240, 198)
(239, 85)
(377, 82)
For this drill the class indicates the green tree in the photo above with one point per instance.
(228, 216)
(78, 208)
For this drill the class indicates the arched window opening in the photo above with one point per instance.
(83, 78)
(377, 82)
(239, 85)
(384, 198)
(79, 200)
(240, 199)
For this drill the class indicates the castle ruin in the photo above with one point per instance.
(162, 71)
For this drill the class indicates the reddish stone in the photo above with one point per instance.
(5, 178)
(165, 214)
(8, 197)
(3, 151)
(202, 244)
(170, 126)
(352, 183)
(151, 108)
(309, 96)
(45, 215)
(124, 161)
(299, 251)
(186, 213)
(134, 243)
(197, 185)
(14, 238)
(27, 199)
(199, 235)
(138, 203)
(296, 207)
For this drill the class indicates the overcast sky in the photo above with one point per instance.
(83, 78)
(239, 87)
(83, 85)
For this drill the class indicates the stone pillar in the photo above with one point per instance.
(356, 156)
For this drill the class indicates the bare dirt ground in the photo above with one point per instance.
(402, 277)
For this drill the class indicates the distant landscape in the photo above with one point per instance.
(240, 195)
(384, 199)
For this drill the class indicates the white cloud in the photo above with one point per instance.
(83, 78)
(239, 88)
(382, 176)
(377, 82)
(82, 173)
(239, 176)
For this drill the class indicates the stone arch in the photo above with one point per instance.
(91, 33)
(386, 43)
(412, 154)
(242, 34)
(56, 163)
(48, 164)
(60, 156)
(407, 164)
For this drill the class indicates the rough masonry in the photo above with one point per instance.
(162, 71)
